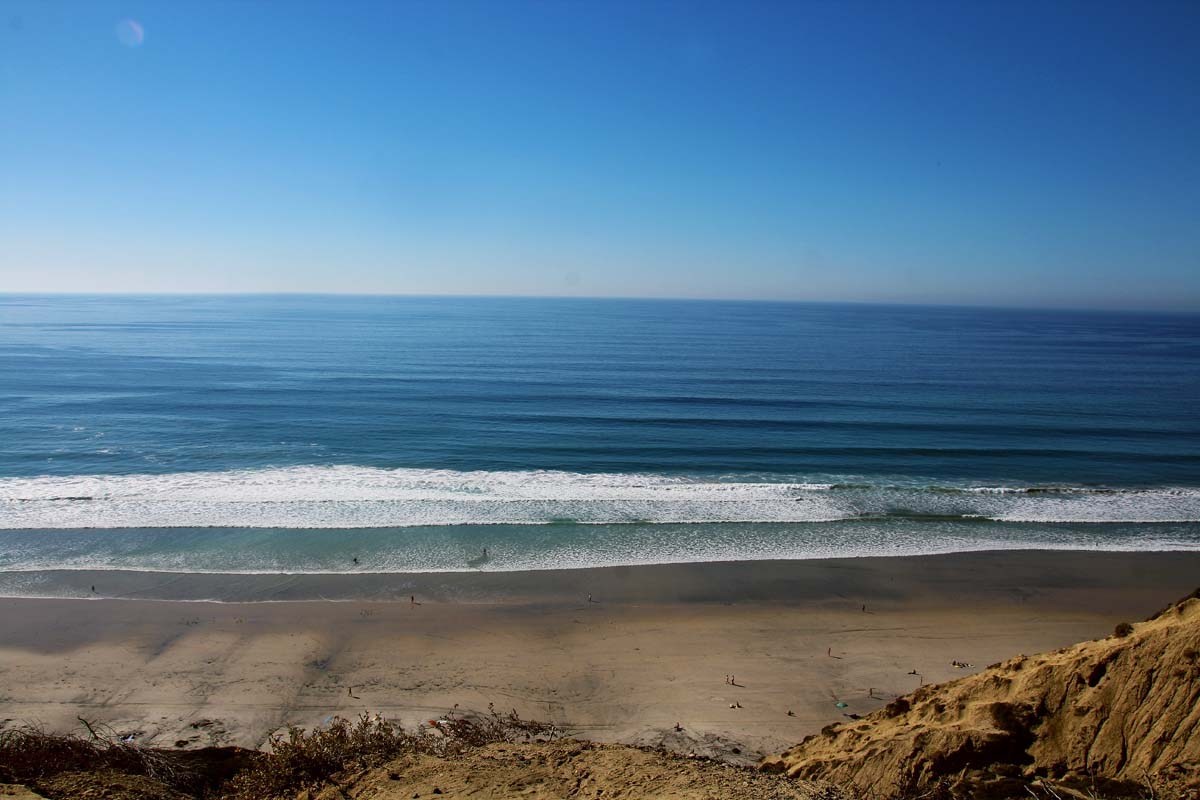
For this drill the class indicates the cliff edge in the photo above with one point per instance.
(1122, 709)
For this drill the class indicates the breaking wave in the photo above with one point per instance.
(368, 497)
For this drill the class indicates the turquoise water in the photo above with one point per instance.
(297, 433)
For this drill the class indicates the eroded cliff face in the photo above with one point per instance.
(1122, 708)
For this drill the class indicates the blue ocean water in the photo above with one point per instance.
(281, 433)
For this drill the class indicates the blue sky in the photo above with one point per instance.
(1010, 153)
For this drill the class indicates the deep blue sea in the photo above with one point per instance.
(297, 433)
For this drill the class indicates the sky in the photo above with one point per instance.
(1000, 153)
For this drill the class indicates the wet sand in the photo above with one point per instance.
(653, 650)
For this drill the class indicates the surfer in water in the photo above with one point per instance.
(479, 560)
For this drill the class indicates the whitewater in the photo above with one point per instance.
(366, 497)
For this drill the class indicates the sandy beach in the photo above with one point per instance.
(651, 649)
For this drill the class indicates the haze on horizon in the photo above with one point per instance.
(997, 154)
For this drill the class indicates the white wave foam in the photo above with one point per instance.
(308, 497)
(365, 497)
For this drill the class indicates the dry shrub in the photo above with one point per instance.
(1122, 630)
(303, 759)
(29, 754)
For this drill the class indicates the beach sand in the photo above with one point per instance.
(653, 649)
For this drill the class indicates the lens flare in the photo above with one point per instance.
(130, 33)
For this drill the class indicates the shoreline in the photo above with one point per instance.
(42, 562)
(649, 652)
(775, 581)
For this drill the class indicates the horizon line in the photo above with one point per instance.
(645, 298)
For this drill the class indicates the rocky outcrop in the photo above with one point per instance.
(1123, 708)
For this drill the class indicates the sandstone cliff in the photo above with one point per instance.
(1124, 708)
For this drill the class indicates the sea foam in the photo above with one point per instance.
(364, 497)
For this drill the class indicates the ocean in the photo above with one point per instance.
(322, 434)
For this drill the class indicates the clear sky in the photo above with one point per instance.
(1006, 153)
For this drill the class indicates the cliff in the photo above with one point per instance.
(1124, 709)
